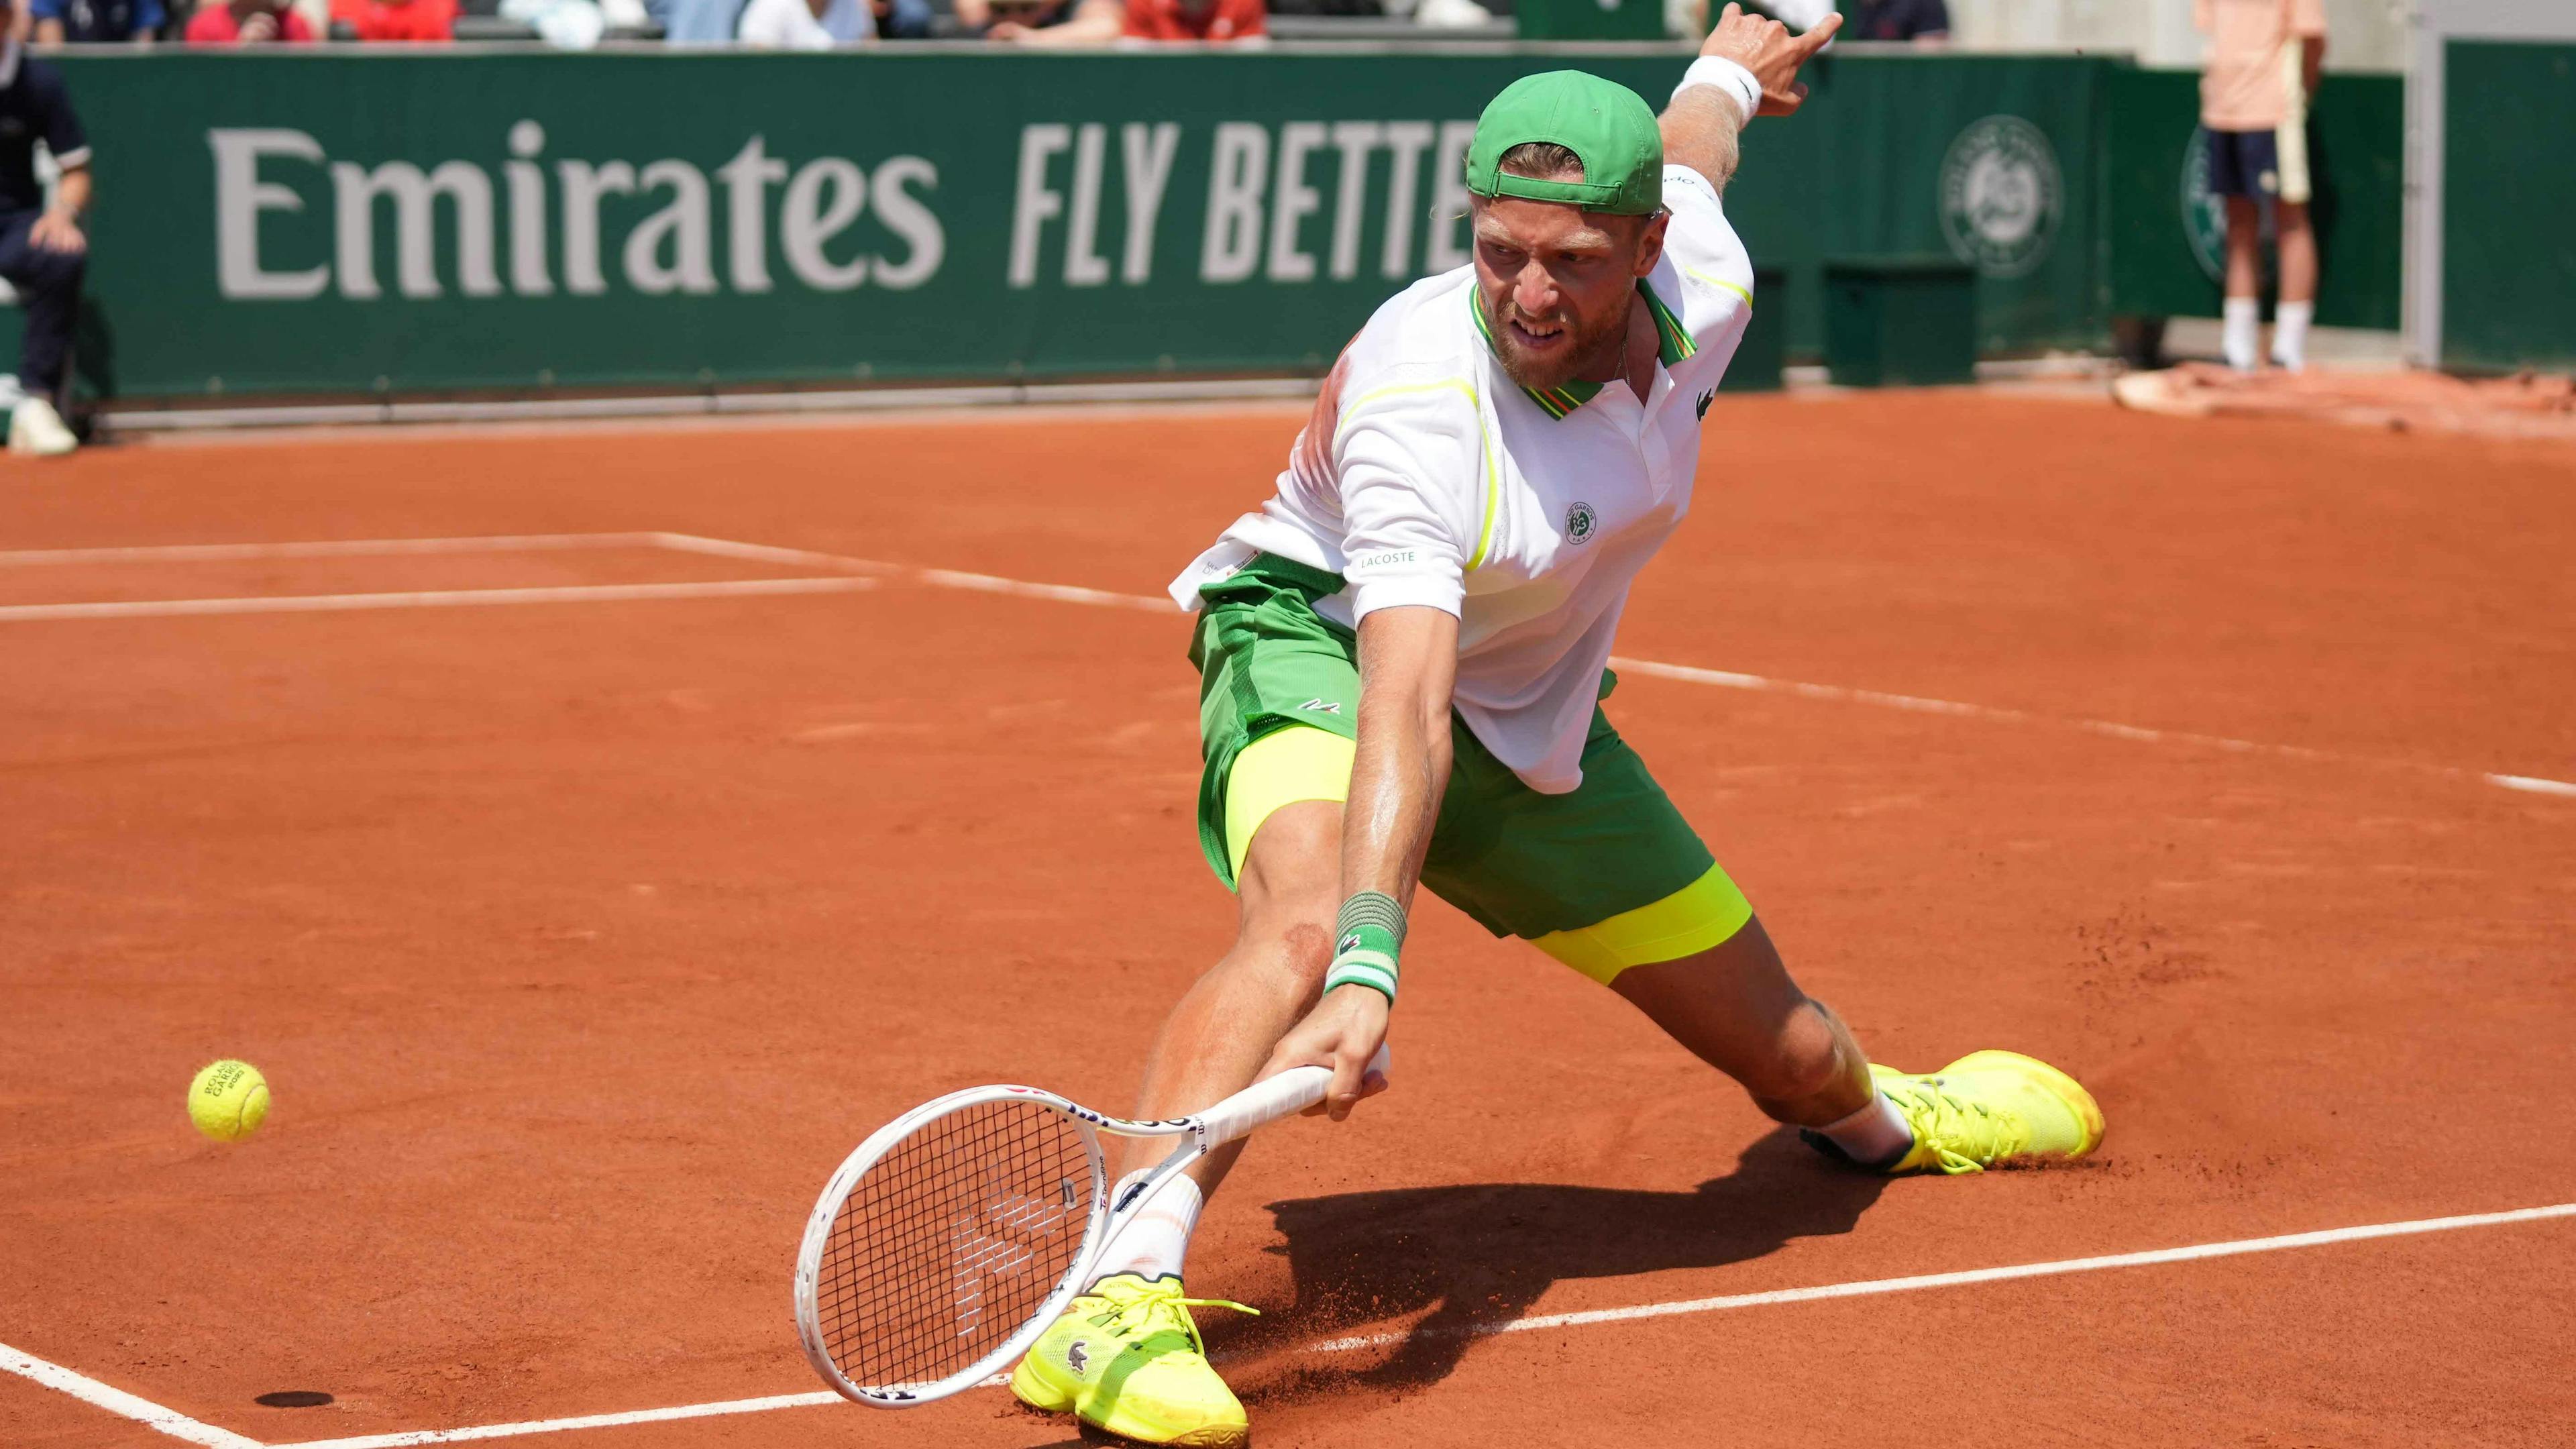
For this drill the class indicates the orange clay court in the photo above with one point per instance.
(582, 928)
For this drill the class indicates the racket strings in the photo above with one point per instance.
(951, 1242)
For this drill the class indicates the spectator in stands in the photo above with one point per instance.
(2264, 56)
(806, 24)
(1896, 20)
(698, 22)
(902, 19)
(981, 16)
(1101, 22)
(247, 22)
(43, 252)
(96, 22)
(377, 20)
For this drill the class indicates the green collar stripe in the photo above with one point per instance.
(1672, 340)
(1672, 344)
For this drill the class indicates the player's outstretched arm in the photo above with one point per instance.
(1700, 125)
(1408, 665)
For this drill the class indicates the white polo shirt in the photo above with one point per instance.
(1427, 476)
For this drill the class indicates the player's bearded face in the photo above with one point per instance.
(1557, 283)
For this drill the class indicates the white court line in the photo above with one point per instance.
(433, 599)
(1916, 1282)
(1728, 679)
(1062, 593)
(763, 553)
(586, 1421)
(118, 1401)
(1862, 1289)
(940, 578)
(334, 548)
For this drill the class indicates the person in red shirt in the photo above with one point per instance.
(1101, 22)
(247, 22)
(397, 19)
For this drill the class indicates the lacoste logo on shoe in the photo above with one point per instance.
(1077, 1355)
(1323, 706)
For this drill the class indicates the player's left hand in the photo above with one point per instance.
(1766, 48)
(56, 231)
(1343, 1032)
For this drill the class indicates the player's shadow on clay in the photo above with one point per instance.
(1480, 1256)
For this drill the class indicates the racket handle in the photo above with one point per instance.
(1271, 1098)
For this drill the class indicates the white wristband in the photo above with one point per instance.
(1726, 75)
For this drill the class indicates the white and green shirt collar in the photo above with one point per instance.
(1672, 344)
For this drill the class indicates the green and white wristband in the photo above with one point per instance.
(1370, 935)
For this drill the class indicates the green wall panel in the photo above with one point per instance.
(2509, 205)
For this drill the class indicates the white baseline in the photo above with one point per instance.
(1862, 1289)
(429, 599)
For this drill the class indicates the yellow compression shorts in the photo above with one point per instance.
(1301, 762)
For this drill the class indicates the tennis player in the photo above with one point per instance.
(1402, 654)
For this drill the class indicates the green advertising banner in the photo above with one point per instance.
(2168, 234)
(2509, 205)
(340, 221)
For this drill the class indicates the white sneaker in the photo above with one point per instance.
(36, 429)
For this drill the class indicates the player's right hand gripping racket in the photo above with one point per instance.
(950, 1240)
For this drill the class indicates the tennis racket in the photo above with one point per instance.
(950, 1240)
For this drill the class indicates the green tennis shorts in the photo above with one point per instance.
(1606, 877)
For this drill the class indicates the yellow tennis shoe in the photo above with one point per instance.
(1127, 1358)
(1988, 1107)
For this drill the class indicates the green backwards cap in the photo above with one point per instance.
(1609, 126)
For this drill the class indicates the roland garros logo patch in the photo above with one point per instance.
(1581, 524)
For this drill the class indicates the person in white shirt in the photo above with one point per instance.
(1402, 654)
(805, 24)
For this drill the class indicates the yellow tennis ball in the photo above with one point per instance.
(227, 1100)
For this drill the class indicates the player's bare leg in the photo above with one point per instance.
(1126, 1356)
(1225, 1026)
(1734, 1006)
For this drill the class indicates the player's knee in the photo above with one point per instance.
(1296, 852)
(1285, 957)
(1287, 888)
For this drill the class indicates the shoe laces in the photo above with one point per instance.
(1945, 1123)
(1143, 1312)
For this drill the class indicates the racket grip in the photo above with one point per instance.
(1271, 1098)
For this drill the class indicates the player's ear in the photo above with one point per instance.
(1650, 242)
